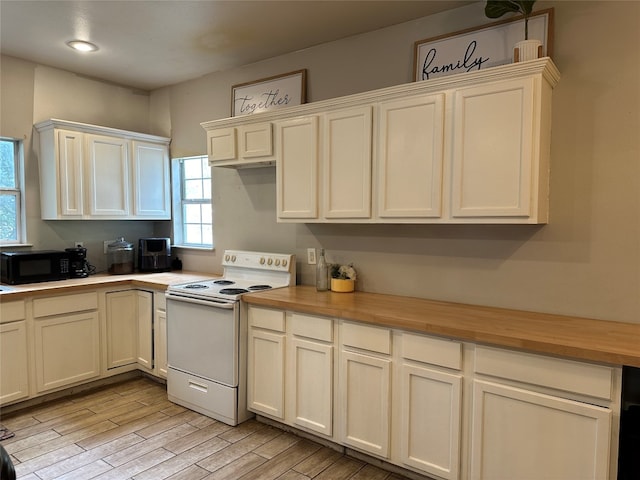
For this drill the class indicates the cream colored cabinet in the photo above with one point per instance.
(309, 377)
(364, 388)
(90, 172)
(346, 164)
(410, 157)
(108, 168)
(160, 334)
(129, 330)
(541, 417)
(242, 146)
(427, 410)
(266, 357)
(500, 152)
(14, 359)
(66, 340)
(151, 193)
(297, 168)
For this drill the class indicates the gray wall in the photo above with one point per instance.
(585, 262)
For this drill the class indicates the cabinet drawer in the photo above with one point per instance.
(366, 337)
(566, 375)
(318, 328)
(12, 311)
(436, 351)
(80, 302)
(265, 318)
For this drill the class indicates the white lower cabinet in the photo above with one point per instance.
(129, 330)
(67, 340)
(160, 334)
(14, 359)
(266, 354)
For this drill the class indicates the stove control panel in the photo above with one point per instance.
(259, 260)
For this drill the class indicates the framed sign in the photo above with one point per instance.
(479, 47)
(270, 93)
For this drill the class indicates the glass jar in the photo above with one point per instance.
(120, 257)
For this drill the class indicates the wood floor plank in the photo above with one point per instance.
(85, 472)
(369, 472)
(136, 465)
(241, 431)
(140, 412)
(342, 469)
(316, 463)
(181, 461)
(279, 464)
(196, 438)
(236, 469)
(30, 441)
(193, 472)
(68, 427)
(49, 458)
(237, 450)
(292, 475)
(278, 445)
(57, 469)
(167, 424)
(121, 430)
(49, 425)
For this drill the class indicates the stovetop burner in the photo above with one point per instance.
(259, 287)
(224, 282)
(233, 291)
(196, 286)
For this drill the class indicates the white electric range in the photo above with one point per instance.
(207, 333)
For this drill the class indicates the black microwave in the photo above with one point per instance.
(34, 266)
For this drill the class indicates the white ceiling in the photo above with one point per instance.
(149, 44)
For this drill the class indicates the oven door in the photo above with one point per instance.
(203, 338)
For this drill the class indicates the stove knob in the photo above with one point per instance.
(226, 258)
(284, 262)
(270, 261)
(277, 262)
(233, 258)
(261, 260)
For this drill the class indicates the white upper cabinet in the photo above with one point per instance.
(90, 172)
(410, 157)
(242, 146)
(467, 148)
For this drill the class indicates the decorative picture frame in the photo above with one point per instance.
(479, 47)
(278, 91)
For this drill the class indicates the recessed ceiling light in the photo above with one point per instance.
(82, 46)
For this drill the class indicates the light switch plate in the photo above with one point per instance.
(311, 256)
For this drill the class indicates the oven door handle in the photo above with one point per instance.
(209, 303)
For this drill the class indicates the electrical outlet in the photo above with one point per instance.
(106, 244)
(78, 244)
(311, 256)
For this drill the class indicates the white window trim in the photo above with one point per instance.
(21, 220)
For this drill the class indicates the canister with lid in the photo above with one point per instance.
(120, 257)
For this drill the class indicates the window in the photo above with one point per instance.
(12, 221)
(192, 212)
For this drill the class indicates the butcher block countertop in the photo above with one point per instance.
(159, 281)
(603, 341)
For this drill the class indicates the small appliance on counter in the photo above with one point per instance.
(78, 265)
(154, 254)
(120, 257)
(33, 266)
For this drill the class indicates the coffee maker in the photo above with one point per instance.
(78, 265)
(154, 255)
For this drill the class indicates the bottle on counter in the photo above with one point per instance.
(322, 273)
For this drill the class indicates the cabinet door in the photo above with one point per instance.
(531, 436)
(14, 371)
(122, 333)
(256, 140)
(430, 429)
(297, 168)
(108, 176)
(310, 385)
(221, 145)
(144, 324)
(493, 150)
(160, 336)
(347, 163)
(364, 402)
(70, 180)
(410, 157)
(151, 183)
(67, 349)
(265, 378)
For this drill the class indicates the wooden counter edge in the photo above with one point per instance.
(524, 338)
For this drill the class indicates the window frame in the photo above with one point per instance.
(19, 193)
(178, 201)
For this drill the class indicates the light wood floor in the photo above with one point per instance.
(131, 431)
